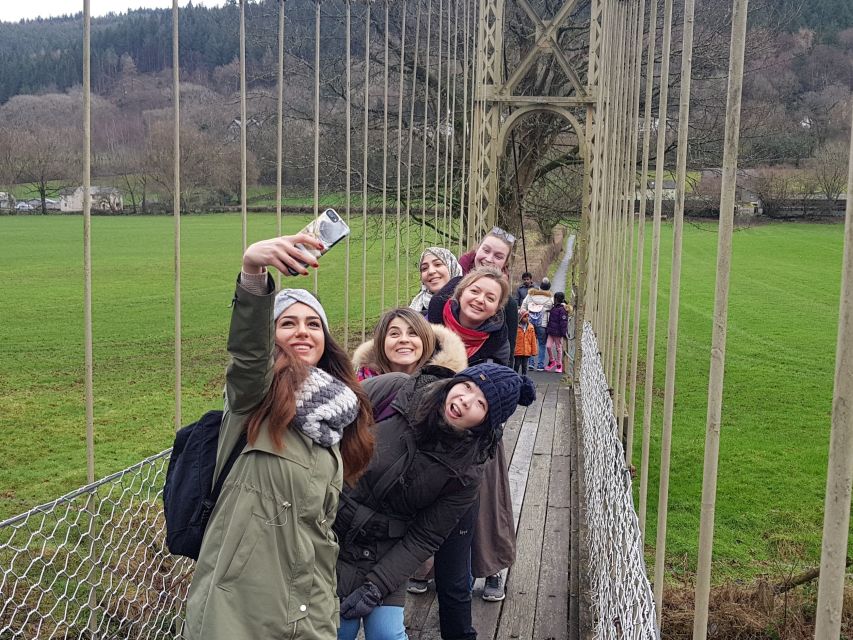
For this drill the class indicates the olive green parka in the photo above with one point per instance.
(266, 568)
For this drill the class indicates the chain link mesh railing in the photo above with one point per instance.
(622, 602)
(93, 564)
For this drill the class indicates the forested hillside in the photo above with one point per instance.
(797, 96)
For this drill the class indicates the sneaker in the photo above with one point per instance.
(550, 366)
(559, 368)
(540, 368)
(417, 586)
(494, 589)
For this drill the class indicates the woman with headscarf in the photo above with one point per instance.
(437, 266)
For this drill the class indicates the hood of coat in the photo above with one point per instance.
(534, 291)
(449, 352)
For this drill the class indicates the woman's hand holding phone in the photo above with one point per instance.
(283, 254)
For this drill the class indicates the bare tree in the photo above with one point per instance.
(828, 170)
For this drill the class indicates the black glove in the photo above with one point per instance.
(361, 602)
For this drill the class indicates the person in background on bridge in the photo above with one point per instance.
(538, 303)
(267, 561)
(526, 284)
(475, 312)
(403, 341)
(424, 477)
(557, 330)
(437, 266)
(525, 344)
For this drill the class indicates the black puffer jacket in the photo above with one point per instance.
(411, 496)
(496, 348)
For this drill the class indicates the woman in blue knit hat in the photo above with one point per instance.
(424, 476)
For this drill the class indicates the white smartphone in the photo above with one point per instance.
(329, 228)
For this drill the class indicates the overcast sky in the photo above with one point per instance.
(14, 10)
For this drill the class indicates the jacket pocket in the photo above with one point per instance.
(244, 547)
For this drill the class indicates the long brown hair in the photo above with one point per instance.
(278, 408)
(415, 321)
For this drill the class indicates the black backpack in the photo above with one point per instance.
(188, 493)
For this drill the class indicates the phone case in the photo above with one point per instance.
(329, 228)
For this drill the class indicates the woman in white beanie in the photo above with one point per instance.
(267, 560)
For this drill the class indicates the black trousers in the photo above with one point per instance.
(520, 364)
(453, 579)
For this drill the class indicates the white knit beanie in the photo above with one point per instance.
(286, 298)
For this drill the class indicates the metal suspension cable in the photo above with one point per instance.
(655, 264)
(316, 118)
(718, 340)
(674, 298)
(87, 243)
(364, 170)
(279, 151)
(384, 163)
(426, 122)
(836, 517)
(630, 191)
(448, 126)
(243, 195)
(628, 171)
(452, 117)
(411, 141)
(465, 140)
(641, 233)
(176, 208)
(348, 161)
(400, 148)
(436, 136)
(612, 126)
(620, 238)
(385, 157)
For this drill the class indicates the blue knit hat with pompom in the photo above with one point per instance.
(504, 390)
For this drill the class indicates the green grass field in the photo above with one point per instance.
(780, 363)
(42, 413)
(783, 315)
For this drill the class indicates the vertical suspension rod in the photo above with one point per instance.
(87, 244)
(655, 264)
(436, 138)
(176, 205)
(279, 151)
(364, 165)
(316, 118)
(411, 141)
(718, 338)
(384, 164)
(674, 299)
(243, 195)
(400, 149)
(630, 191)
(348, 115)
(641, 233)
(426, 122)
(836, 517)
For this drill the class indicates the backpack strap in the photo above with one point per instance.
(226, 469)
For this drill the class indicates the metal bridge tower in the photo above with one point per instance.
(498, 106)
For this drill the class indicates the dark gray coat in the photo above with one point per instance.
(412, 494)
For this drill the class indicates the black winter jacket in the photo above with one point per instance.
(411, 496)
(496, 348)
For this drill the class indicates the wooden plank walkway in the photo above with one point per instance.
(542, 586)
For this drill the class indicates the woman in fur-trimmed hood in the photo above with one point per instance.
(408, 343)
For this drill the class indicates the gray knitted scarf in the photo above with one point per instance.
(324, 407)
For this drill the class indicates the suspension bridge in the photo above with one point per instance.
(93, 563)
